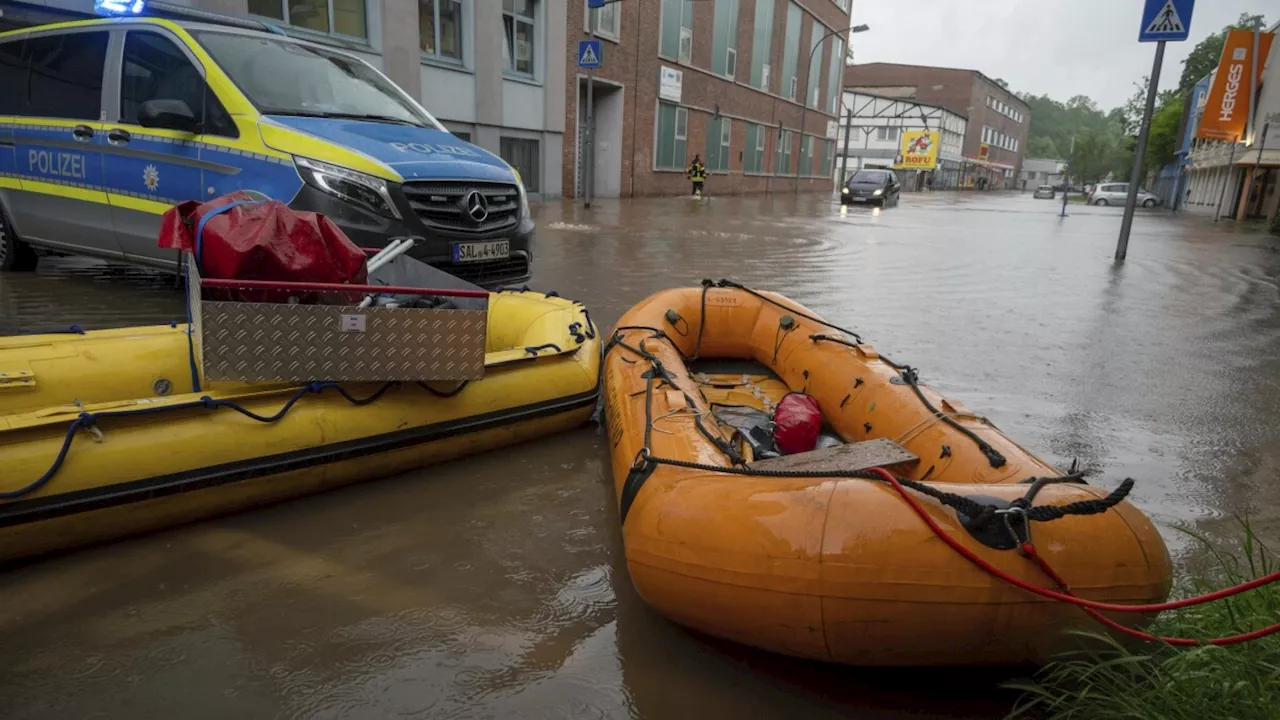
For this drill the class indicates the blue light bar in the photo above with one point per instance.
(114, 8)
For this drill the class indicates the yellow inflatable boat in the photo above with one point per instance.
(102, 436)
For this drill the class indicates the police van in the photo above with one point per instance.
(106, 123)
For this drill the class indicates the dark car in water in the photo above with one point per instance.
(877, 187)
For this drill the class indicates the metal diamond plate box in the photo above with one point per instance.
(279, 342)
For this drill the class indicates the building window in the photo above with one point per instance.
(676, 40)
(782, 158)
(834, 65)
(718, 134)
(887, 133)
(813, 84)
(518, 23)
(762, 46)
(673, 130)
(522, 154)
(828, 156)
(753, 158)
(686, 32)
(724, 39)
(607, 19)
(791, 53)
(332, 17)
(440, 29)
(806, 154)
(461, 135)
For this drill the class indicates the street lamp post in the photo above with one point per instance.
(804, 104)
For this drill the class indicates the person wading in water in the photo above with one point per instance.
(697, 172)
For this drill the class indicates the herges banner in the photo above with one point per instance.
(919, 150)
(1226, 113)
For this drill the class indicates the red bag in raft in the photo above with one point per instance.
(244, 239)
(797, 423)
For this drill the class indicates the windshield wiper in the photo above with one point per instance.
(344, 116)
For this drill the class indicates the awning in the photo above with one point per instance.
(1249, 158)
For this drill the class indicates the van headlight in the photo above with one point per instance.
(524, 197)
(524, 200)
(355, 187)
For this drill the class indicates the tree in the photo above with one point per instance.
(1042, 147)
(1082, 102)
(1204, 57)
(1054, 124)
(1002, 83)
(1162, 140)
(1135, 107)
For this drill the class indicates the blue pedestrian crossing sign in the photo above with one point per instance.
(1168, 20)
(588, 53)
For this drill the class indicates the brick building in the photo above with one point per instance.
(998, 120)
(719, 78)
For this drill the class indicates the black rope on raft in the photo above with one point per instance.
(976, 513)
(911, 377)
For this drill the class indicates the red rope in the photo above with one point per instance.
(1030, 551)
(1089, 606)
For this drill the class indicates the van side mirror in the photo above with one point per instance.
(168, 115)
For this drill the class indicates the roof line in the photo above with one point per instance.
(911, 101)
(986, 77)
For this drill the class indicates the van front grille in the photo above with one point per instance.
(441, 205)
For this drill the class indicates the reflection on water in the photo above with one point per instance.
(497, 586)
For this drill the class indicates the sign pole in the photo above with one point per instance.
(1066, 176)
(589, 162)
(1135, 177)
(844, 159)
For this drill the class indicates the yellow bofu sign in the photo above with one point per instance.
(919, 150)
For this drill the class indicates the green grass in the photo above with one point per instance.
(1149, 681)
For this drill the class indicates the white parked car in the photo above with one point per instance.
(1116, 193)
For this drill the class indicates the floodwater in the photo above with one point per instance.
(496, 586)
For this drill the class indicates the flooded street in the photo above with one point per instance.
(496, 586)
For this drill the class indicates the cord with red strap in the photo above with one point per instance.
(1089, 606)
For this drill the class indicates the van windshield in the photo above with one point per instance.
(282, 77)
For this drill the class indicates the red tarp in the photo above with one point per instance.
(262, 241)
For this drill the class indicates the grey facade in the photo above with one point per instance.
(492, 71)
(1041, 171)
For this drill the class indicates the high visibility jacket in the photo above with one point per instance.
(697, 173)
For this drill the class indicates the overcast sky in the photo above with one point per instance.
(1060, 48)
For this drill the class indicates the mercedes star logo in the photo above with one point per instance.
(476, 206)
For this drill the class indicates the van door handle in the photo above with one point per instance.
(119, 137)
(82, 133)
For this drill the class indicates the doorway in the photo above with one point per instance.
(608, 104)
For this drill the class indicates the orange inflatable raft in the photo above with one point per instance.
(788, 555)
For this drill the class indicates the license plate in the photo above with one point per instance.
(481, 251)
(858, 199)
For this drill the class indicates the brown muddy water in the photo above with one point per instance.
(496, 586)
